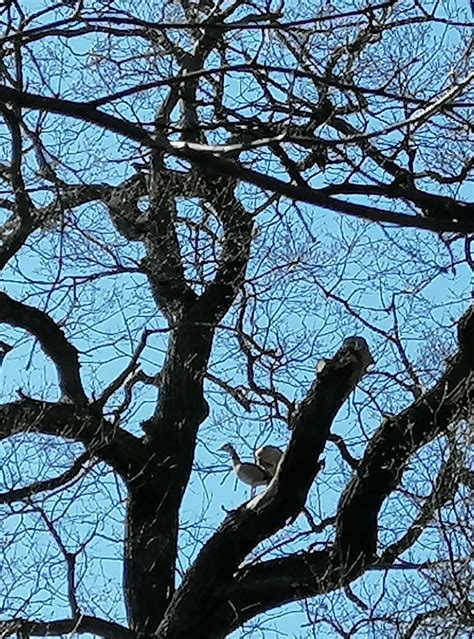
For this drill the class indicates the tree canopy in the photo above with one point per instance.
(237, 222)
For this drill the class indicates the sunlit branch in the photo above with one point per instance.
(197, 154)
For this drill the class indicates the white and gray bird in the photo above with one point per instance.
(249, 474)
(268, 457)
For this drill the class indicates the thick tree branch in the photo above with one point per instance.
(397, 439)
(229, 278)
(122, 202)
(152, 519)
(163, 262)
(270, 584)
(16, 231)
(215, 566)
(260, 587)
(52, 340)
(13, 239)
(84, 624)
(23, 203)
(436, 613)
(444, 489)
(121, 450)
(206, 158)
(28, 492)
(433, 205)
(157, 491)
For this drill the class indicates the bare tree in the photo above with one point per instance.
(246, 222)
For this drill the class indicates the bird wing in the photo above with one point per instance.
(252, 475)
(268, 457)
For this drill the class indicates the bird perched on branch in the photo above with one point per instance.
(268, 458)
(249, 474)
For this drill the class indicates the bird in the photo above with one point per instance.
(268, 458)
(250, 474)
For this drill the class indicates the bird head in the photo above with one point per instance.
(227, 448)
